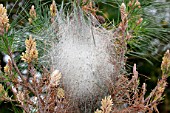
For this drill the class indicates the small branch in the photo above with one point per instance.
(14, 64)
(40, 100)
(19, 73)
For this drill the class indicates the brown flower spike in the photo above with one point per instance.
(123, 11)
(3, 93)
(60, 93)
(31, 52)
(33, 14)
(165, 66)
(20, 97)
(106, 105)
(55, 78)
(53, 9)
(4, 21)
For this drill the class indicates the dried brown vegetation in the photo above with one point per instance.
(128, 97)
(47, 95)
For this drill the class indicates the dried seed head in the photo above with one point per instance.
(31, 52)
(123, 6)
(161, 88)
(144, 87)
(2, 10)
(165, 62)
(3, 93)
(123, 11)
(124, 24)
(55, 78)
(6, 69)
(4, 21)
(106, 104)
(3, 15)
(32, 12)
(135, 73)
(53, 9)
(60, 93)
(20, 97)
(143, 91)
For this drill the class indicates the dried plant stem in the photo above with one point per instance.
(14, 64)
(19, 73)
(40, 101)
(27, 85)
